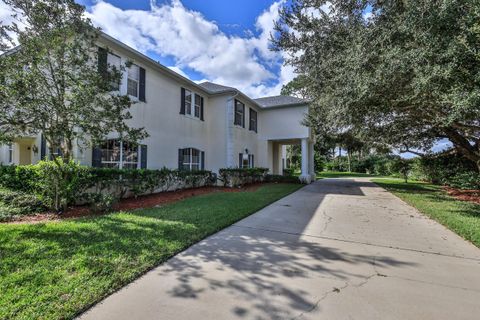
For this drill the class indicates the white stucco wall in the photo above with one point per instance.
(217, 136)
(284, 123)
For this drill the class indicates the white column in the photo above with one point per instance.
(305, 176)
(311, 161)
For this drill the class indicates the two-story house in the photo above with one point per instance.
(191, 126)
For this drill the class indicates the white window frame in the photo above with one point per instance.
(191, 107)
(187, 161)
(121, 162)
(197, 104)
(135, 80)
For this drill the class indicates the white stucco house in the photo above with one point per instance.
(191, 126)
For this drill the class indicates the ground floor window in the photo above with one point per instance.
(191, 159)
(246, 160)
(120, 154)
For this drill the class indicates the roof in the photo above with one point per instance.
(279, 101)
(216, 88)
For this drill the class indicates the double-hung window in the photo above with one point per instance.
(191, 104)
(253, 120)
(239, 119)
(133, 81)
(188, 102)
(119, 154)
(191, 159)
(114, 62)
(198, 105)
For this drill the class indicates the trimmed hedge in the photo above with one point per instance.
(59, 185)
(236, 177)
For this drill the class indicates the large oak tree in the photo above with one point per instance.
(401, 72)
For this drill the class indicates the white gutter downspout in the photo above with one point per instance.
(230, 113)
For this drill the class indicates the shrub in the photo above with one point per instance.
(281, 179)
(60, 184)
(288, 172)
(465, 180)
(101, 203)
(234, 177)
(441, 168)
(18, 178)
(15, 203)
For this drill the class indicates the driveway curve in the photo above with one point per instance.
(335, 249)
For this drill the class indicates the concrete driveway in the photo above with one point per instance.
(336, 249)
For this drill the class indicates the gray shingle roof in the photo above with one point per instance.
(277, 101)
(216, 88)
(267, 102)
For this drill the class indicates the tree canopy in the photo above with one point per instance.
(404, 73)
(50, 79)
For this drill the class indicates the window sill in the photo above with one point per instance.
(192, 117)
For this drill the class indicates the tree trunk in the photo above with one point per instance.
(464, 146)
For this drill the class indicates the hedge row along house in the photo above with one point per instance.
(191, 126)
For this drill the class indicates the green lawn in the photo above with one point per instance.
(55, 270)
(335, 174)
(459, 216)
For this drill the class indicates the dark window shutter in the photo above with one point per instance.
(202, 155)
(182, 102)
(43, 148)
(240, 160)
(102, 61)
(143, 156)
(141, 94)
(180, 159)
(243, 115)
(201, 109)
(96, 157)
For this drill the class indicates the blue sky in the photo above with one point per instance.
(215, 40)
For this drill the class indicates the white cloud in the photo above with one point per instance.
(6, 18)
(170, 29)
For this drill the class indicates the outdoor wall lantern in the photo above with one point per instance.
(35, 149)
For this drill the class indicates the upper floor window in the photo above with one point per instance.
(191, 159)
(239, 119)
(136, 76)
(119, 154)
(114, 62)
(191, 104)
(133, 81)
(198, 105)
(253, 120)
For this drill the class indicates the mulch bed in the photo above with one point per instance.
(141, 202)
(464, 195)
